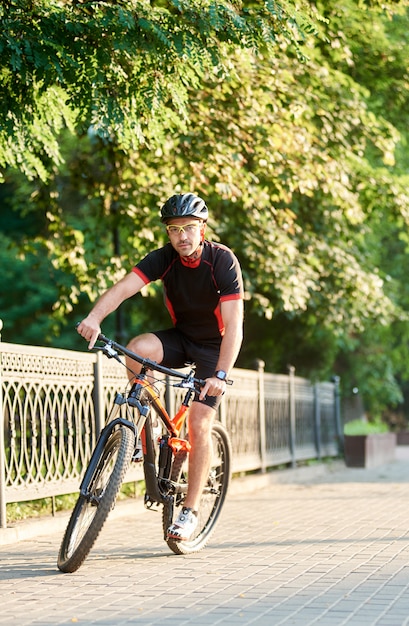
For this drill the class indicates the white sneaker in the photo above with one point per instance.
(184, 526)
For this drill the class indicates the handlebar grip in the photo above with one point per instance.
(102, 338)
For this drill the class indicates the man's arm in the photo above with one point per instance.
(128, 286)
(232, 315)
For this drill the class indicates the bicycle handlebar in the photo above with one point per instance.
(148, 363)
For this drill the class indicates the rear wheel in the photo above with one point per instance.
(92, 509)
(212, 498)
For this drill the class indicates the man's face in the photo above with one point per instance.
(185, 234)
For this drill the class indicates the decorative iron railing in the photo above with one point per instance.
(54, 402)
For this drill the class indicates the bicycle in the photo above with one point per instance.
(132, 438)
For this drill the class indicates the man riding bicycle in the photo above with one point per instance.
(204, 295)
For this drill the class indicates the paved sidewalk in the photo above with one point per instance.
(323, 545)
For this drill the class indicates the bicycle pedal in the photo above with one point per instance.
(150, 504)
(137, 456)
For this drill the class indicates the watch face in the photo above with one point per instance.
(221, 374)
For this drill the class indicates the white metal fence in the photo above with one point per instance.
(53, 404)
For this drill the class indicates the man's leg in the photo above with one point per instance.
(201, 419)
(148, 346)
(200, 428)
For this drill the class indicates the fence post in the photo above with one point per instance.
(291, 385)
(3, 508)
(317, 419)
(262, 414)
(222, 412)
(337, 412)
(99, 402)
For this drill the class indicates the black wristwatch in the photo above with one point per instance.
(221, 375)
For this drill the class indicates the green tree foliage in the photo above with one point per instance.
(122, 67)
(302, 163)
(28, 293)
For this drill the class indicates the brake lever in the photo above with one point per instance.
(108, 350)
(187, 383)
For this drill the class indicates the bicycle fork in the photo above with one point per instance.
(106, 432)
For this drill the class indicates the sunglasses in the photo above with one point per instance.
(190, 228)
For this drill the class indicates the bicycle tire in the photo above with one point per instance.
(212, 498)
(88, 517)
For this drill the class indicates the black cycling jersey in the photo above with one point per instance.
(193, 293)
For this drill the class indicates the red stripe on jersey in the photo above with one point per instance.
(170, 308)
(141, 275)
(233, 296)
(218, 316)
(218, 311)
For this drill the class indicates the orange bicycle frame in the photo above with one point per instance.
(175, 424)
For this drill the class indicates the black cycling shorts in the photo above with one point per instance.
(179, 350)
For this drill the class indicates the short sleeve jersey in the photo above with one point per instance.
(193, 295)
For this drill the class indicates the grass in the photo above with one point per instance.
(361, 427)
(17, 511)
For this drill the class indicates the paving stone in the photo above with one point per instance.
(320, 546)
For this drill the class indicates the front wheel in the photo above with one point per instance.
(92, 509)
(213, 496)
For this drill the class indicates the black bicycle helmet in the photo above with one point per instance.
(184, 205)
